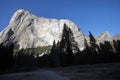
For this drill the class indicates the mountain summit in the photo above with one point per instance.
(105, 36)
(26, 30)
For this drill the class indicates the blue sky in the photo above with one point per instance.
(94, 15)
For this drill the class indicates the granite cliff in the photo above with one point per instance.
(26, 30)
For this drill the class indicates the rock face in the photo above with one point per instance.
(105, 36)
(26, 30)
(116, 37)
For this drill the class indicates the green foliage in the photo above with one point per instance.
(25, 58)
(35, 51)
(41, 49)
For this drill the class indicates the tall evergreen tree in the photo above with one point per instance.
(6, 57)
(93, 48)
(92, 40)
(86, 43)
(55, 56)
(68, 46)
(93, 45)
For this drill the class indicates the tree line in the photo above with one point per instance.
(66, 52)
(62, 53)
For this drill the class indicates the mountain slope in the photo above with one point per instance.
(26, 30)
(116, 37)
(105, 36)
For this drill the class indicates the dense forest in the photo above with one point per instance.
(62, 53)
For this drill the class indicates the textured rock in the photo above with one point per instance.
(105, 36)
(26, 30)
(116, 37)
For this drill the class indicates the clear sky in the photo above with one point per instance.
(94, 15)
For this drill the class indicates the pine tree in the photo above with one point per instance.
(68, 46)
(93, 49)
(6, 57)
(92, 40)
(86, 44)
(55, 55)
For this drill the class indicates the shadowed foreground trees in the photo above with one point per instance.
(10, 61)
(66, 52)
(6, 58)
(63, 53)
(24, 60)
(68, 47)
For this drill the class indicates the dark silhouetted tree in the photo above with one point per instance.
(93, 48)
(68, 46)
(55, 55)
(24, 60)
(92, 40)
(6, 58)
(86, 43)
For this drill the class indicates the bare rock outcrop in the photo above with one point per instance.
(26, 30)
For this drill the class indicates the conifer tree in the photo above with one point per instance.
(93, 48)
(92, 40)
(86, 44)
(6, 57)
(55, 56)
(68, 46)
